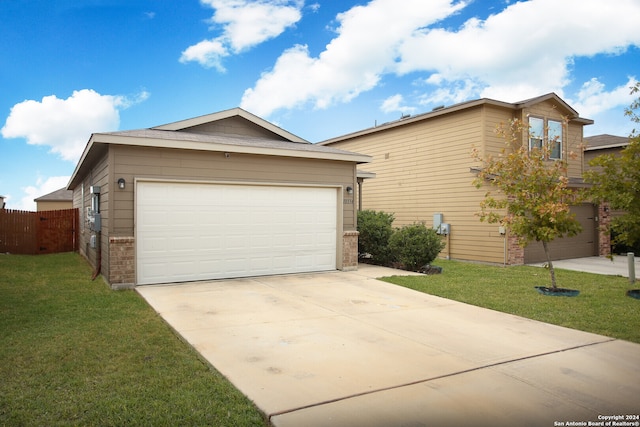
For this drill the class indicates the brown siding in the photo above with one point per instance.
(572, 134)
(425, 168)
(97, 176)
(153, 163)
(53, 206)
(235, 126)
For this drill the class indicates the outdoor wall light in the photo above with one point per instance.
(121, 183)
(349, 190)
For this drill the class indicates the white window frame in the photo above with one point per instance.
(554, 139)
(536, 133)
(541, 131)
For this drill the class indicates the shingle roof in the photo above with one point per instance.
(61, 195)
(439, 111)
(178, 136)
(599, 142)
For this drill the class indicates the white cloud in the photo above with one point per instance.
(594, 99)
(521, 51)
(394, 103)
(209, 53)
(41, 187)
(364, 50)
(65, 125)
(245, 24)
(526, 49)
(605, 107)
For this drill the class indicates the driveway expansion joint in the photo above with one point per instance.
(437, 377)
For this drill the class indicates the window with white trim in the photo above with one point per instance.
(536, 132)
(550, 134)
(554, 133)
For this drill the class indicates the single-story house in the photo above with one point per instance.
(424, 172)
(56, 200)
(218, 196)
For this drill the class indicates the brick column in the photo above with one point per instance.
(515, 252)
(122, 269)
(604, 230)
(350, 250)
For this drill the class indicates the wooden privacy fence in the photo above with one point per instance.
(33, 233)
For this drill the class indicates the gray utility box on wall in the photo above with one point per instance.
(440, 226)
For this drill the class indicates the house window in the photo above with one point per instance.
(536, 132)
(554, 131)
(553, 136)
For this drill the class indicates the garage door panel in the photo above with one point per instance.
(206, 231)
(582, 245)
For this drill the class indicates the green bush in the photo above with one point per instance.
(415, 246)
(375, 230)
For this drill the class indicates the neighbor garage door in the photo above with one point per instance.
(187, 231)
(582, 245)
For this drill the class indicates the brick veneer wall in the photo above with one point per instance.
(515, 251)
(350, 250)
(604, 233)
(122, 269)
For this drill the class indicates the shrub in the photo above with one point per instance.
(415, 246)
(375, 230)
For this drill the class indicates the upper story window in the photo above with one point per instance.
(536, 132)
(553, 137)
(554, 132)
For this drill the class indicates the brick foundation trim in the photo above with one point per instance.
(350, 250)
(122, 268)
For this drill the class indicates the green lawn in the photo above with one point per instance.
(74, 352)
(602, 306)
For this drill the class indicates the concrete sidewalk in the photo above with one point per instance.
(618, 266)
(344, 349)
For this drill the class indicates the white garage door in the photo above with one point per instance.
(188, 231)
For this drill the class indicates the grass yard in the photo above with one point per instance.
(602, 306)
(75, 353)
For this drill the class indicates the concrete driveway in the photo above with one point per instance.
(344, 349)
(618, 265)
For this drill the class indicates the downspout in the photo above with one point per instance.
(360, 182)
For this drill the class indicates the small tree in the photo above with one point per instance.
(528, 193)
(415, 246)
(617, 181)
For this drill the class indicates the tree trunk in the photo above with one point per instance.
(550, 264)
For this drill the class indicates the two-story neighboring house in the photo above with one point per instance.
(598, 145)
(424, 172)
(603, 144)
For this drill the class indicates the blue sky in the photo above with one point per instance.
(318, 69)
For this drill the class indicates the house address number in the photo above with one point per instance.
(348, 201)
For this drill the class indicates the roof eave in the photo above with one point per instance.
(421, 117)
(113, 139)
(605, 147)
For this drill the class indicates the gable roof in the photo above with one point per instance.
(440, 111)
(233, 112)
(604, 141)
(61, 195)
(177, 136)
